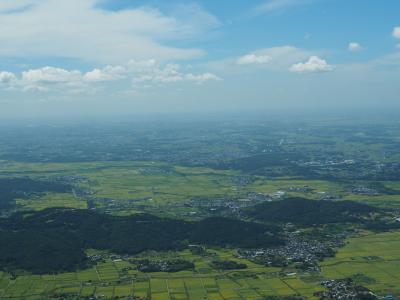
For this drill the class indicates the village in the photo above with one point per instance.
(345, 289)
(298, 252)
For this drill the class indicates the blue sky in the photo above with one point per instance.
(210, 55)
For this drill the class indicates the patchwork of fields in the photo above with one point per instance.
(159, 188)
(162, 189)
(116, 279)
(375, 257)
(105, 281)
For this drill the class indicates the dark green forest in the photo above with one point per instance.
(14, 188)
(307, 212)
(55, 240)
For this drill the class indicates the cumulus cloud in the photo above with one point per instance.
(157, 74)
(251, 59)
(202, 77)
(7, 78)
(51, 75)
(151, 72)
(80, 29)
(282, 57)
(396, 32)
(354, 47)
(275, 59)
(109, 73)
(49, 79)
(313, 65)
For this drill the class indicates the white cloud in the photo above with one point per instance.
(109, 73)
(150, 71)
(313, 65)
(80, 29)
(281, 58)
(7, 78)
(396, 32)
(48, 79)
(253, 59)
(202, 77)
(279, 5)
(157, 74)
(355, 47)
(51, 75)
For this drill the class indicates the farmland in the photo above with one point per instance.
(110, 278)
(160, 188)
(375, 256)
(224, 174)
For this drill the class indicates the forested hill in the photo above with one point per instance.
(55, 240)
(14, 188)
(309, 212)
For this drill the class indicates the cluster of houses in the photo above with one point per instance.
(233, 204)
(225, 203)
(327, 163)
(344, 289)
(73, 179)
(243, 180)
(103, 256)
(364, 191)
(305, 254)
(300, 189)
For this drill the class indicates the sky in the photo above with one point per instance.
(122, 57)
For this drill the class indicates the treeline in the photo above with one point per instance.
(382, 226)
(258, 162)
(307, 212)
(20, 188)
(228, 265)
(285, 163)
(275, 164)
(54, 240)
(170, 266)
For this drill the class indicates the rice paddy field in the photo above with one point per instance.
(372, 260)
(112, 279)
(131, 187)
(375, 256)
(158, 288)
(159, 188)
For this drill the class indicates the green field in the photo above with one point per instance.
(160, 188)
(164, 189)
(111, 279)
(376, 256)
(53, 200)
